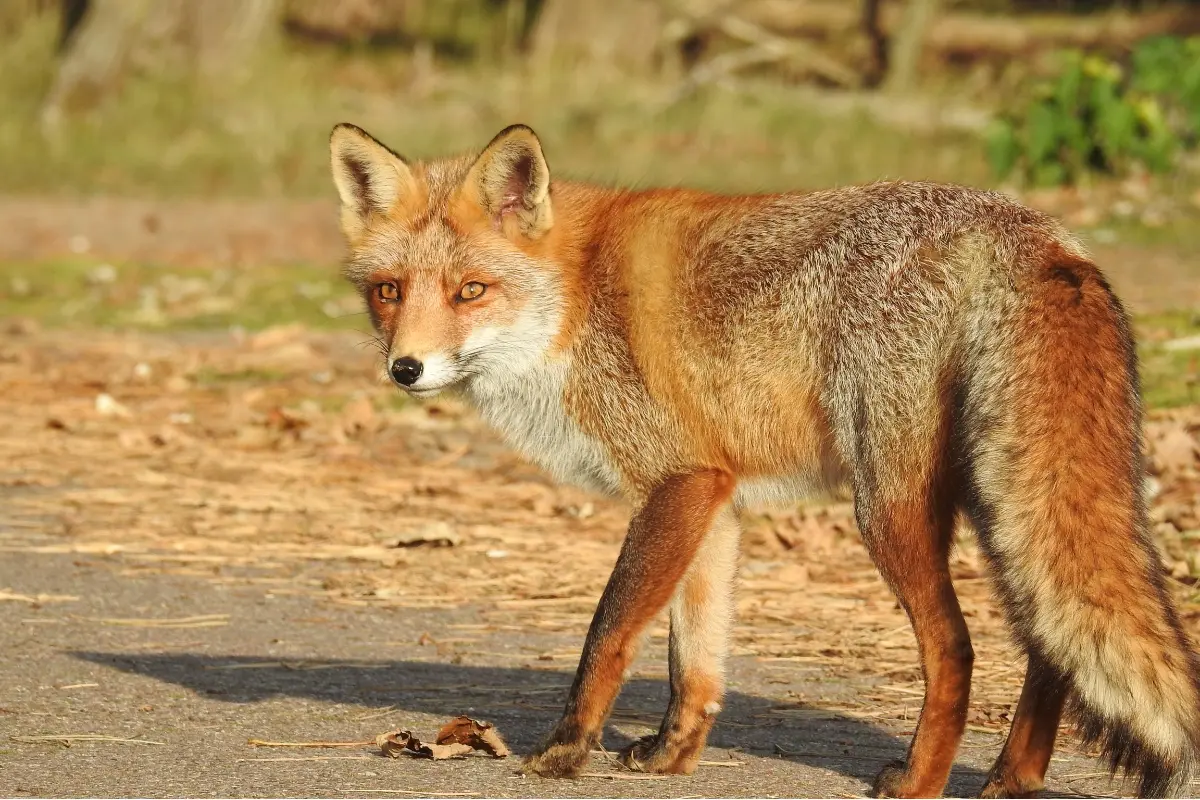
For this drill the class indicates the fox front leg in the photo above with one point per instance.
(662, 541)
(701, 615)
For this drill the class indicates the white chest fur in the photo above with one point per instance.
(528, 411)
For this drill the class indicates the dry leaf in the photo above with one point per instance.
(358, 415)
(393, 744)
(435, 534)
(438, 751)
(1175, 449)
(397, 743)
(288, 419)
(478, 735)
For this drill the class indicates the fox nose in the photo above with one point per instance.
(406, 371)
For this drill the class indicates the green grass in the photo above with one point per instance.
(209, 377)
(1179, 234)
(1169, 377)
(82, 294)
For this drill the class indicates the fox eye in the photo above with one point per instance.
(471, 291)
(387, 292)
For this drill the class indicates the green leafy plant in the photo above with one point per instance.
(1169, 67)
(1097, 116)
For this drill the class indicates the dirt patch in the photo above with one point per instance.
(179, 233)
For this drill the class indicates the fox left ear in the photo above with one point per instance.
(512, 180)
(370, 178)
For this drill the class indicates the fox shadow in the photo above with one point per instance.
(525, 703)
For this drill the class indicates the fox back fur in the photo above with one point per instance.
(940, 352)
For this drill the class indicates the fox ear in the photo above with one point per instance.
(512, 180)
(370, 178)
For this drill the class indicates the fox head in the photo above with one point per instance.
(450, 257)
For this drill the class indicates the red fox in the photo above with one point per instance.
(940, 352)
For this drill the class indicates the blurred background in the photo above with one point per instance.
(190, 393)
(192, 133)
(229, 97)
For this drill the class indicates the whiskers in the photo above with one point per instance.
(378, 344)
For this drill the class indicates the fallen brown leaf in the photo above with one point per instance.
(393, 744)
(397, 743)
(478, 735)
(434, 534)
(1175, 449)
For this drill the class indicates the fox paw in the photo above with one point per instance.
(650, 754)
(1000, 787)
(889, 780)
(557, 760)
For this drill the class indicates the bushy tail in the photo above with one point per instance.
(1051, 422)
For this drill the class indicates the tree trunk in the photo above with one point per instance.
(904, 55)
(624, 32)
(209, 38)
(876, 66)
(228, 33)
(93, 56)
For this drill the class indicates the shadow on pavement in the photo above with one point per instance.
(524, 703)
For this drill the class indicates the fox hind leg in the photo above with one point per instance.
(908, 532)
(1020, 771)
(701, 613)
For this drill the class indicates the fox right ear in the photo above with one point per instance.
(511, 179)
(370, 178)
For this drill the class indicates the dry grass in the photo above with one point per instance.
(67, 739)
